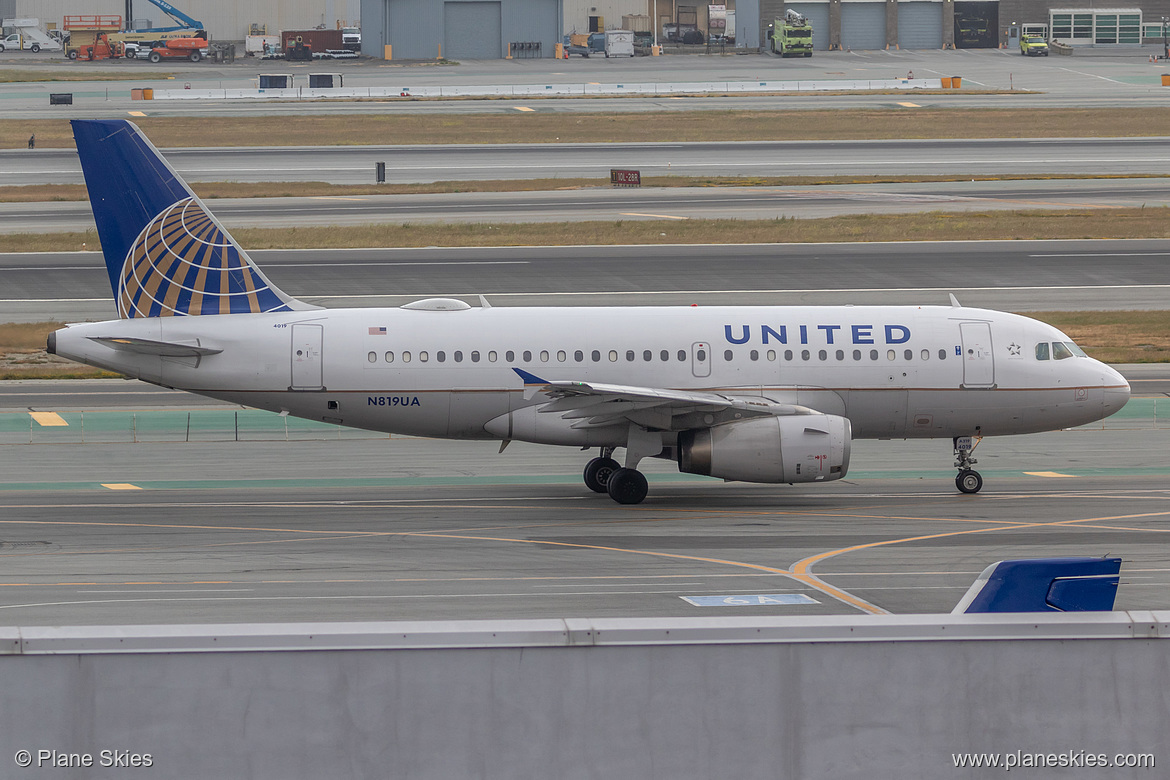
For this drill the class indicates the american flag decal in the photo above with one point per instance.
(377, 331)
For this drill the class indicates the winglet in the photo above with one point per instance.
(1045, 585)
(529, 379)
(955, 301)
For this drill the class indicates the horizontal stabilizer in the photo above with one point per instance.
(160, 348)
(1045, 585)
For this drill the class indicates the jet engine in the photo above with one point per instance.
(796, 448)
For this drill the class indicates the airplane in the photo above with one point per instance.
(767, 394)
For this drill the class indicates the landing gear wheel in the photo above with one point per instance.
(627, 486)
(597, 474)
(969, 481)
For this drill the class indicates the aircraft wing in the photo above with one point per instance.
(592, 404)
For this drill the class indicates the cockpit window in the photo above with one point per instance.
(1060, 350)
(1075, 349)
(1042, 350)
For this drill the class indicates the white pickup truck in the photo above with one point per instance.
(28, 37)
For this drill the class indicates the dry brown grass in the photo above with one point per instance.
(1116, 336)
(931, 226)
(23, 356)
(554, 127)
(64, 72)
(39, 193)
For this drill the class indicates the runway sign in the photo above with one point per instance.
(768, 600)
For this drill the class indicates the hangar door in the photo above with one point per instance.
(818, 15)
(863, 25)
(920, 25)
(977, 24)
(471, 31)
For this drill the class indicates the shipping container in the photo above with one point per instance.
(317, 40)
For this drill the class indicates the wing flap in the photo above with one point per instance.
(595, 405)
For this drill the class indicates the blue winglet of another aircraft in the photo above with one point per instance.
(529, 379)
(1045, 585)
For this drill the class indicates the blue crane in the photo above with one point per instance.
(184, 22)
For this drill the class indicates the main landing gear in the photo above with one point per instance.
(625, 485)
(968, 480)
(606, 475)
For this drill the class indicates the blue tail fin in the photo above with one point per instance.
(165, 253)
(1045, 585)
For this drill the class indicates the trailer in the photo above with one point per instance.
(313, 40)
(28, 37)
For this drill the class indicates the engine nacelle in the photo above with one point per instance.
(796, 448)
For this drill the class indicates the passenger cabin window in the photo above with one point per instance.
(527, 356)
(728, 355)
(510, 356)
(422, 357)
(579, 356)
(1042, 350)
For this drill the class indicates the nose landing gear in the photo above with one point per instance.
(968, 480)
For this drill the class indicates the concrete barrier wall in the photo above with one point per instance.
(827, 697)
(527, 90)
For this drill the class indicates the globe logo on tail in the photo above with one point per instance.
(184, 263)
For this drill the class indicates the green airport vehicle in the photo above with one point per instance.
(791, 36)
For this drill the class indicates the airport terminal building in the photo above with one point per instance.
(484, 29)
(479, 29)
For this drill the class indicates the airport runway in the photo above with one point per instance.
(463, 162)
(400, 529)
(1006, 275)
(648, 203)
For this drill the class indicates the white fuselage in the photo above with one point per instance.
(893, 371)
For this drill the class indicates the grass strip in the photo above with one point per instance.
(64, 72)
(1117, 223)
(40, 193)
(543, 126)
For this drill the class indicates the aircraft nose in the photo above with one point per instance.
(1117, 391)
